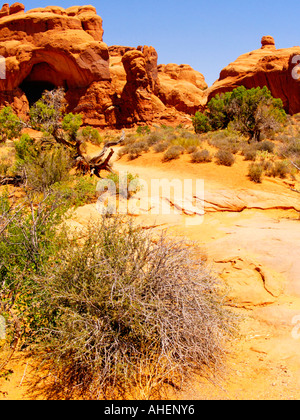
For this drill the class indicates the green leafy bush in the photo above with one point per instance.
(253, 112)
(143, 130)
(71, 124)
(48, 168)
(76, 192)
(10, 124)
(91, 135)
(201, 123)
(25, 149)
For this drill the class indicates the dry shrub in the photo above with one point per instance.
(255, 172)
(191, 149)
(153, 138)
(134, 149)
(225, 157)
(161, 146)
(131, 314)
(291, 147)
(249, 152)
(266, 146)
(201, 156)
(280, 168)
(173, 153)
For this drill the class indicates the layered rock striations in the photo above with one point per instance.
(278, 69)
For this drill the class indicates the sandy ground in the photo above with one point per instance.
(263, 360)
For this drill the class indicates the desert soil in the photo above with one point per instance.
(251, 236)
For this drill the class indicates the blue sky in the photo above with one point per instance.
(205, 34)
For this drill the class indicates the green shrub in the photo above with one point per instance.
(201, 156)
(76, 191)
(10, 124)
(143, 130)
(71, 124)
(25, 149)
(224, 157)
(255, 172)
(91, 135)
(132, 181)
(48, 168)
(252, 112)
(201, 123)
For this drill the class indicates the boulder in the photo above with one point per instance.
(4, 10)
(249, 284)
(278, 69)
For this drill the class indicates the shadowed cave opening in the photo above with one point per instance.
(34, 89)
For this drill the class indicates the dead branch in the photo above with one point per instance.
(12, 180)
(97, 163)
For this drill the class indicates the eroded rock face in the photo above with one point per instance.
(275, 68)
(50, 47)
(117, 86)
(182, 87)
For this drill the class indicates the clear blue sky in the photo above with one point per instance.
(208, 35)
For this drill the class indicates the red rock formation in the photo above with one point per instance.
(181, 87)
(51, 47)
(116, 86)
(275, 68)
